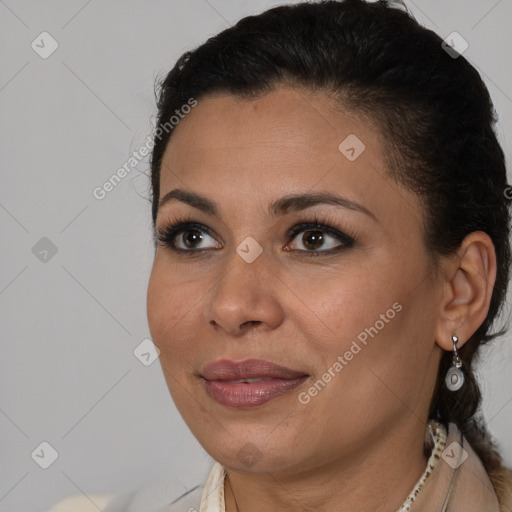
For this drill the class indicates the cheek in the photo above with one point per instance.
(158, 301)
(169, 309)
(370, 318)
(343, 305)
(170, 315)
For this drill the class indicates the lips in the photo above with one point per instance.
(249, 383)
(225, 369)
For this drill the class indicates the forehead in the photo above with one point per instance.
(282, 131)
(285, 141)
(283, 117)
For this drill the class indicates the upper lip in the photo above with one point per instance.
(225, 369)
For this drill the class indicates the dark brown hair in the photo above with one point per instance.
(431, 107)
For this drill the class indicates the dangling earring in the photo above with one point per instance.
(454, 376)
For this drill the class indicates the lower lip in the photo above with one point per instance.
(244, 395)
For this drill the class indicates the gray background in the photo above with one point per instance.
(70, 324)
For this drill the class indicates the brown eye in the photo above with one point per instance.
(187, 237)
(313, 239)
(191, 238)
(318, 238)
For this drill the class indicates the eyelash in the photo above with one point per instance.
(181, 225)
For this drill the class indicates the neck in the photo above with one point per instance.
(378, 479)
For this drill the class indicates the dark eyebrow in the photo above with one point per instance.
(281, 206)
(197, 201)
(298, 202)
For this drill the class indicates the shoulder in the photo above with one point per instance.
(82, 503)
(165, 495)
(130, 502)
(501, 479)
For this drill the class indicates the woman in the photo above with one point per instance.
(331, 219)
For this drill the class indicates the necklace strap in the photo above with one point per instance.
(436, 433)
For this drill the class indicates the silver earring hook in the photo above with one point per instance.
(456, 359)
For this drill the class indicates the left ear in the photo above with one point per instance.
(469, 275)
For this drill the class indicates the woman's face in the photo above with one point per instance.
(349, 307)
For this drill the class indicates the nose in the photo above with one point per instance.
(246, 297)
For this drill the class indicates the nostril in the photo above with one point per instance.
(250, 322)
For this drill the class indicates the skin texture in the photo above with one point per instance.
(358, 444)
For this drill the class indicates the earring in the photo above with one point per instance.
(454, 377)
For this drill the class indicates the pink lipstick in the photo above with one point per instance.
(249, 383)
